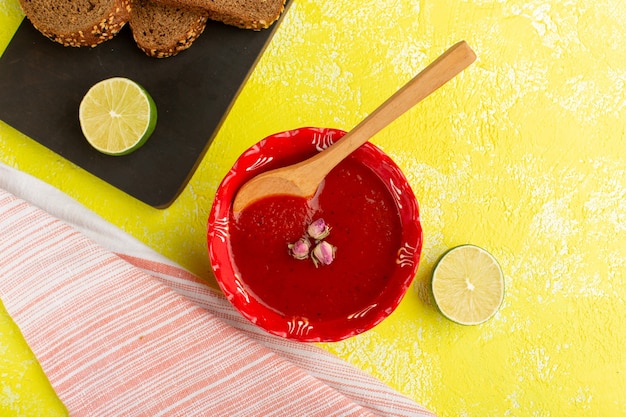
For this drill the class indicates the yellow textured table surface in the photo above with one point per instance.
(523, 154)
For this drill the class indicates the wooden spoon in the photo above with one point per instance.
(303, 178)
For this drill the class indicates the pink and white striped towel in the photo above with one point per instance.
(121, 331)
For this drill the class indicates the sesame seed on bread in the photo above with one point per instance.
(246, 14)
(78, 22)
(161, 30)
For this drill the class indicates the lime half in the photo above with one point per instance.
(117, 116)
(468, 285)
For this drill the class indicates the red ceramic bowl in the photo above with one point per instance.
(363, 314)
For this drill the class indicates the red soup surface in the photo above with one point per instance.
(365, 229)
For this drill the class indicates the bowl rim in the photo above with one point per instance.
(273, 151)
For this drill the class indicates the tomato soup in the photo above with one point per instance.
(365, 229)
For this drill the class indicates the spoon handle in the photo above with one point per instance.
(303, 178)
(443, 69)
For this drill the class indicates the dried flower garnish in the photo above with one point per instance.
(300, 249)
(323, 253)
(318, 230)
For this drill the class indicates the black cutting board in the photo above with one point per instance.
(42, 84)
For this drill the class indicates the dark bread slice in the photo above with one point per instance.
(161, 30)
(246, 14)
(77, 22)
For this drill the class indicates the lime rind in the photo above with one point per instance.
(444, 309)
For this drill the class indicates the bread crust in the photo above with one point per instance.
(246, 14)
(91, 33)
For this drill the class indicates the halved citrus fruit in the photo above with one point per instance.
(468, 285)
(117, 116)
